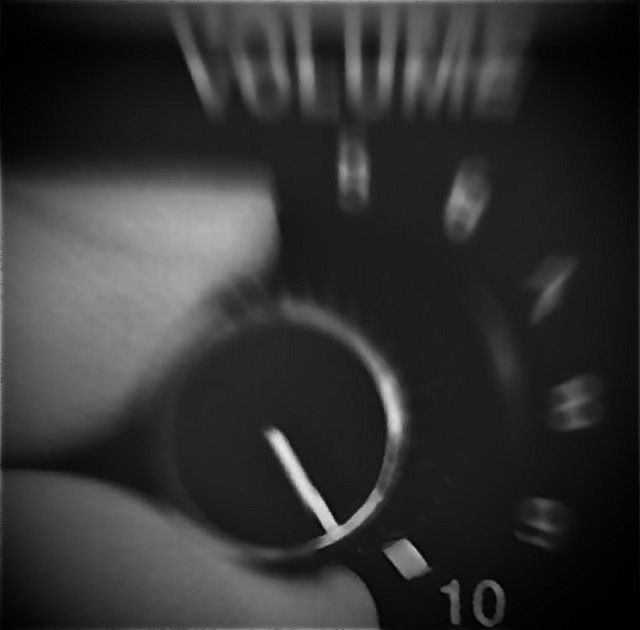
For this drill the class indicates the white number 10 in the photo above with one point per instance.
(453, 591)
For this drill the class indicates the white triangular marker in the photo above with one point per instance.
(406, 559)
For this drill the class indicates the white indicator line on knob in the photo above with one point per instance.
(299, 479)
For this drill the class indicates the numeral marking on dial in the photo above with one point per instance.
(468, 199)
(354, 171)
(543, 523)
(550, 281)
(575, 404)
(479, 604)
(452, 590)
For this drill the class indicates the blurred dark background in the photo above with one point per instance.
(107, 82)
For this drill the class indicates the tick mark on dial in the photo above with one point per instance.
(543, 523)
(575, 404)
(550, 281)
(354, 171)
(468, 200)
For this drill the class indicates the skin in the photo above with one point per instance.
(82, 553)
(104, 273)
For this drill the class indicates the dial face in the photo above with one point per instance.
(470, 235)
(460, 201)
(311, 419)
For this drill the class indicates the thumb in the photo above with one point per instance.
(83, 553)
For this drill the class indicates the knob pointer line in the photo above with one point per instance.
(408, 561)
(308, 493)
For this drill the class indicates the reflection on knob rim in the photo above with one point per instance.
(305, 313)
